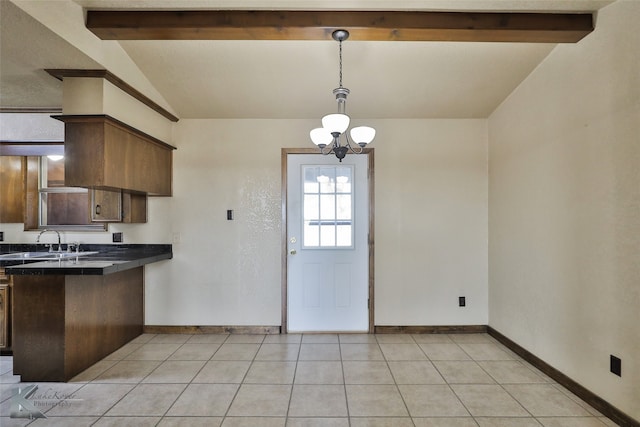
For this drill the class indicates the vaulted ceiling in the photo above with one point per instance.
(252, 78)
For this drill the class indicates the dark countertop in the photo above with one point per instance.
(109, 259)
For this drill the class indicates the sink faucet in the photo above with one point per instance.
(73, 245)
(50, 246)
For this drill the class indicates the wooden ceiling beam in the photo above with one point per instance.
(318, 25)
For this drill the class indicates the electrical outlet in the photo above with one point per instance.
(615, 365)
(117, 237)
(462, 301)
(230, 214)
(1, 236)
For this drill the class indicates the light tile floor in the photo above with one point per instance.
(318, 380)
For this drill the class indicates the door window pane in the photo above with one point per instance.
(343, 206)
(311, 234)
(311, 206)
(327, 235)
(343, 234)
(328, 206)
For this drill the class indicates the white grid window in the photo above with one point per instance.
(327, 206)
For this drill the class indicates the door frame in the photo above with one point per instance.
(284, 243)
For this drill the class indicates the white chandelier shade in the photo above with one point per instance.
(321, 137)
(362, 135)
(336, 123)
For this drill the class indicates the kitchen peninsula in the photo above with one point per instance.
(71, 312)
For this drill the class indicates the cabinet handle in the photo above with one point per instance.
(98, 209)
(1, 301)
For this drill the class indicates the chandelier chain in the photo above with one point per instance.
(340, 42)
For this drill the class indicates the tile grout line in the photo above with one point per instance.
(235, 395)
(545, 383)
(143, 378)
(187, 384)
(448, 384)
(104, 414)
(293, 380)
(386, 361)
(344, 382)
(505, 390)
(396, 383)
(502, 385)
(497, 382)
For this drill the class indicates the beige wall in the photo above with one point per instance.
(431, 215)
(564, 216)
(430, 223)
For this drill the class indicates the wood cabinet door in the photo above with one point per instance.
(12, 189)
(118, 206)
(4, 316)
(106, 206)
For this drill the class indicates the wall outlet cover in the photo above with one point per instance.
(615, 365)
(1, 236)
(117, 237)
(462, 301)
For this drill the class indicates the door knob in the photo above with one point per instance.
(293, 252)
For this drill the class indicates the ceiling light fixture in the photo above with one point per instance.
(335, 125)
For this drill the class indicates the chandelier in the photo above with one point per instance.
(334, 126)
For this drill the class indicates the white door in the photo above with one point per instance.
(327, 237)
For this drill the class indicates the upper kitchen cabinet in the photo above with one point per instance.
(104, 153)
(11, 193)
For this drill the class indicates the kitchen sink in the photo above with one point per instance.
(23, 256)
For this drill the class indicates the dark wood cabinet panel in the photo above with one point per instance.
(4, 315)
(134, 208)
(12, 192)
(67, 208)
(106, 206)
(117, 206)
(64, 324)
(5, 311)
(104, 153)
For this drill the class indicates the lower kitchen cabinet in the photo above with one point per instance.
(5, 311)
(85, 318)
